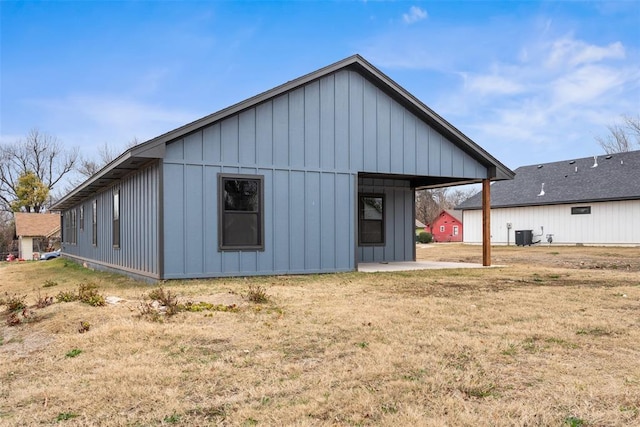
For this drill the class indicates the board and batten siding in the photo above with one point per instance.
(309, 144)
(139, 224)
(399, 223)
(609, 223)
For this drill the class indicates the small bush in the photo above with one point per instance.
(66, 296)
(425, 237)
(88, 294)
(43, 301)
(257, 294)
(13, 302)
(84, 327)
(166, 299)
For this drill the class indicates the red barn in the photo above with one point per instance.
(447, 227)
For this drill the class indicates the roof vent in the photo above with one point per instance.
(608, 157)
(572, 162)
(621, 162)
(595, 162)
(541, 190)
(539, 166)
(576, 170)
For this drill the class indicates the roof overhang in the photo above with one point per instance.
(128, 162)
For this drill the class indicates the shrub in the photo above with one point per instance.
(425, 237)
(14, 302)
(88, 294)
(166, 299)
(66, 296)
(257, 294)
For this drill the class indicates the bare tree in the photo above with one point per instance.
(39, 153)
(106, 154)
(622, 137)
(429, 203)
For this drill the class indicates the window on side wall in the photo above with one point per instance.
(74, 230)
(241, 212)
(371, 220)
(442, 228)
(581, 210)
(81, 218)
(94, 223)
(455, 230)
(116, 218)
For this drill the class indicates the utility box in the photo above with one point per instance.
(524, 237)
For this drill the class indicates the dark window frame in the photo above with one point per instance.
(115, 230)
(74, 227)
(581, 210)
(81, 220)
(361, 219)
(224, 213)
(94, 222)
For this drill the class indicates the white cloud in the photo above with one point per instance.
(569, 52)
(415, 14)
(491, 84)
(586, 84)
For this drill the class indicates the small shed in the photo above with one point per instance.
(313, 176)
(36, 232)
(447, 227)
(590, 200)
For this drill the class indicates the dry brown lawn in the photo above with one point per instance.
(551, 338)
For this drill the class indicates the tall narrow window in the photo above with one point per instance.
(82, 218)
(241, 208)
(455, 230)
(371, 219)
(116, 218)
(94, 223)
(73, 232)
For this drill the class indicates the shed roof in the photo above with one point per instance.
(36, 224)
(589, 179)
(134, 157)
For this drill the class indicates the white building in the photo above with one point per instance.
(591, 201)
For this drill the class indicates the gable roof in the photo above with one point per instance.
(616, 177)
(36, 224)
(136, 156)
(455, 214)
(419, 224)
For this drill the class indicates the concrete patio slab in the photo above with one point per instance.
(373, 267)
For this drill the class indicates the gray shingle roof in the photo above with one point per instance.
(617, 177)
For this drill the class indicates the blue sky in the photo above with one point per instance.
(531, 81)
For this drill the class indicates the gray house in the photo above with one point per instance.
(312, 176)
